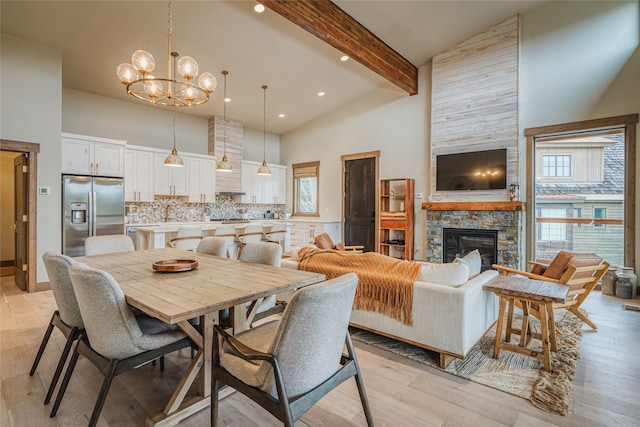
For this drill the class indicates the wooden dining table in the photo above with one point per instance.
(177, 297)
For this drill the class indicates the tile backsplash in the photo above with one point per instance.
(174, 209)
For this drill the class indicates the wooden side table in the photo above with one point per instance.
(510, 289)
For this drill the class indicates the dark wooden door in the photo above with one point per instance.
(20, 219)
(360, 203)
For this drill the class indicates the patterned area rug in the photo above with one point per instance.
(512, 373)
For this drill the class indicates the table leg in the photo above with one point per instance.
(502, 305)
(544, 327)
(507, 336)
(552, 328)
(524, 330)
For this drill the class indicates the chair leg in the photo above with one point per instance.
(63, 359)
(43, 344)
(65, 382)
(106, 385)
(161, 363)
(574, 309)
(359, 382)
(215, 389)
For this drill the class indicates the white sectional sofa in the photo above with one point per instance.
(446, 319)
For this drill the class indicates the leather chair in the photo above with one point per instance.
(288, 365)
(323, 241)
(98, 245)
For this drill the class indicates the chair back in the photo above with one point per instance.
(228, 231)
(262, 253)
(213, 246)
(57, 266)
(252, 233)
(311, 335)
(97, 245)
(111, 326)
(276, 233)
(323, 241)
(187, 239)
(581, 279)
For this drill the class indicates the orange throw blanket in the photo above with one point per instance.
(385, 284)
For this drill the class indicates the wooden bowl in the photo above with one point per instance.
(175, 265)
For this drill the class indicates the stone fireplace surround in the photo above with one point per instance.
(505, 217)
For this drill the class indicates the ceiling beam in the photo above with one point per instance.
(325, 20)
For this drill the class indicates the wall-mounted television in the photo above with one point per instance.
(478, 170)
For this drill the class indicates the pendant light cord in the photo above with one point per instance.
(224, 113)
(264, 125)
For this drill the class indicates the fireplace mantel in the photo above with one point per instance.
(473, 206)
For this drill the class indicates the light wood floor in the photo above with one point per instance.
(402, 393)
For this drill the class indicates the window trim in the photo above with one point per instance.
(295, 166)
(556, 168)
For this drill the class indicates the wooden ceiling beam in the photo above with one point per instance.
(325, 20)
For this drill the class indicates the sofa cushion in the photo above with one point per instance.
(450, 274)
(471, 260)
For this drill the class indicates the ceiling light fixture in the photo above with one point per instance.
(320, 93)
(259, 8)
(170, 91)
(173, 159)
(264, 169)
(344, 58)
(224, 165)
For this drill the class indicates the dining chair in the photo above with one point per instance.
(228, 231)
(115, 341)
(275, 233)
(98, 245)
(213, 246)
(288, 365)
(187, 238)
(66, 318)
(252, 233)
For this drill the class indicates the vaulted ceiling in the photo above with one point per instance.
(95, 36)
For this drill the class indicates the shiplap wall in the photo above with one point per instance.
(229, 181)
(475, 103)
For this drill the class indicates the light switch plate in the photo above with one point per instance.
(44, 191)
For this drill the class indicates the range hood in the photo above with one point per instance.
(230, 193)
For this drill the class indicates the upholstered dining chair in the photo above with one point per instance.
(213, 246)
(275, 233)
(66, 318)
(115, 341)
(187, 238)
(287, 365)
(228, 231)
(252, 233)
(98, 245)
(323, 241)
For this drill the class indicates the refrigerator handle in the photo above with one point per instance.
(94, 214)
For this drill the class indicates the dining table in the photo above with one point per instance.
(198, 287)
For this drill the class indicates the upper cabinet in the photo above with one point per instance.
(201, 175)
(87, 155)
(263, 189)
(138, 173)
(168, 180)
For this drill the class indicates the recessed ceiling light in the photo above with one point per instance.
(344, 58)
(320, 93)
(227, 100)
(281, 115)
(259, 8)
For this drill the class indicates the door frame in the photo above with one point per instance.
(32, 150)
(628, 123)
(366, 155)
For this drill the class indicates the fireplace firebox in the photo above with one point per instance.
(457, 242)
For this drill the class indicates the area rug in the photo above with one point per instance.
(512, 373)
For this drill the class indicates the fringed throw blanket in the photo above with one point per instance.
(385, 284)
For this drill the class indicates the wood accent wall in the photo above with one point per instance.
(234, 135)
(475, 103)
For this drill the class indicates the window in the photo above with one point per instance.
(552, 231)
(306, 189)
(599, 213)
(577, 213)
(556, 166)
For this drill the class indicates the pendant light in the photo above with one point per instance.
(173, 159)
(224, 165)
(264, 169)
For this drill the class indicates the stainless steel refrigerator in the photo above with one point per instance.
(91, 206)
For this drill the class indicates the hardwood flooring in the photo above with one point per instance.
(401, 392)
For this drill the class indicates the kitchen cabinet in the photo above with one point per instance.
(201, 172)
(263, 189)
(396, 218)
(303, 232)
(168, 180)
(138, 170)
(87, 155)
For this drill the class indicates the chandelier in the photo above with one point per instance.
(264, 169)
(224, 165)
(166, 91)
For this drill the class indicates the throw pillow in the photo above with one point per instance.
(451, 274)
(471, 260)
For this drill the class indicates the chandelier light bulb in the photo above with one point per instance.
(143, 61)
(127, 73)
(152, 87)
(189, 93)
(207, 82)
(187, 67)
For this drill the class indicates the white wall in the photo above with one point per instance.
(253, 146)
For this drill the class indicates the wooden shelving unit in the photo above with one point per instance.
(396, 218)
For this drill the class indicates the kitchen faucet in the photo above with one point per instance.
(166, 216)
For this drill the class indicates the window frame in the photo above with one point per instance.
(556, 167)
(296, 204)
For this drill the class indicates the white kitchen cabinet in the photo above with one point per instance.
(201, 172)
(168, 180)
(263, 189)
(138, 173)
(303, 232)
(87, 155)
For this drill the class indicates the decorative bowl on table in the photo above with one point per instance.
(175, 265)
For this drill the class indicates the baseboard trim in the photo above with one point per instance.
(7, 271)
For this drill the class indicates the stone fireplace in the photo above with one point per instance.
(458, 242)
(502, 219)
